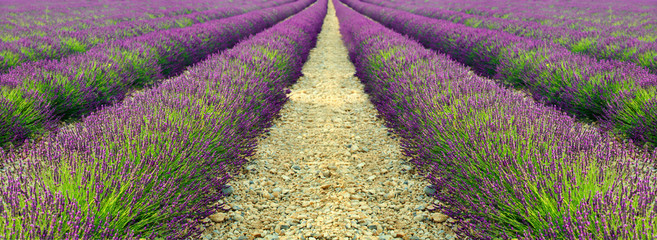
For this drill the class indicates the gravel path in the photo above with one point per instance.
(328, 168)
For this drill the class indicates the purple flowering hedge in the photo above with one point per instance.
(504, 165)
(600, 44)
(153, 165)
(35, 96)
(56, 43)
(21, 21)
(635, 18)
(620, 95)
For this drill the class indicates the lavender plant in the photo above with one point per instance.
(57, 43)
(152, 166)
(505, 166)
(75, 86)
(579, 85)
(600, 44)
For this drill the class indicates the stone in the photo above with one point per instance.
(218, 217)
(429, 190)
(385, 237)
(418, 218)
(226, 207)
(256, 234)
(295, 167)
(431, 208)
(242, 238)
(228, 190)
(271, 237)
(439, 217)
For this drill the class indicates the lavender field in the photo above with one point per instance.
(328, 119)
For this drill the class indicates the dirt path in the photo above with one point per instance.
(328, 169)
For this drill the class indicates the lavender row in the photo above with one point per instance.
(505, 166)
(57, 43)
(600, 44)
(620, 95)
(634, 18)
(152, 166)
(36, 96)
(35, 15)
(128, 12)
(24, 26)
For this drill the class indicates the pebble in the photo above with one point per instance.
(429, 190)
(228, 190)
(218, 217)
(439, 217)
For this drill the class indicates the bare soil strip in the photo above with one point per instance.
(328, 168)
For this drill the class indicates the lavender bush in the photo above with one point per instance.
(601, 44)
(505, 166)
(629, 18)
(618, 94)
(152, 166)
(57, 43)
(74, 86)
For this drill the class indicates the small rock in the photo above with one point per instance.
(325, 186)
(418, 218)
(385, 237)
(242, 238)
(250, 168)
(285, 177)
(415, 238)
(295, 167)
(365, 149)
(354, 149)
(400, 235)
(271, 237)
(439, 217)
(371, 177)
(228, 190)
(277, 189)
(256, 234)
(237, 207)
(284, 226)
(360, 165)
(218, 217)
(226, 207)
(238, 217)
(429, 190)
